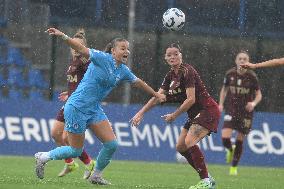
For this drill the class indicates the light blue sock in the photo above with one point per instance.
(64, 152)
(105, 154)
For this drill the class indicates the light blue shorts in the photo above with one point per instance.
(77, 121)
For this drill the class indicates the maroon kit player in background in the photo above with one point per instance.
(183, 85)
(242, 93)
(75, 73)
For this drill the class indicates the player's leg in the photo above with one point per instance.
(70, 164)
(75, 149)
(205, 123)
(57, 133)
(226, 139)
(105, 134)
(237, 153)
(195, 134)
(75, 126)
(89, 164)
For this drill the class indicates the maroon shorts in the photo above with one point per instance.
(242, 125)
(60, 115)
(207, 118)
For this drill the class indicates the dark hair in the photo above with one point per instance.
(174, 45)
(80, 34)
(112, 44)
(244, 52)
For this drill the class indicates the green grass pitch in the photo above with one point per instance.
(18, 173)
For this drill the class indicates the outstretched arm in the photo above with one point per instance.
(269, 63)
(142, 85)
(84, 51)
(186, 105)
(135, 121)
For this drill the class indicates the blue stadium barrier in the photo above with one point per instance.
(3, 81)
(36, 79)
(36, 95)
(25, 130)
(15, 77)
(14, 57)
(15, 94)
(3, 41)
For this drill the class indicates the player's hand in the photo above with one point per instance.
(248, 65)
(136, 120)
(169, 117)
(250, 106)
(221, 107)
(161, 97)
(63, 96)
(54, 31)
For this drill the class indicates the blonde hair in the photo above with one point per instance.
(80, 34)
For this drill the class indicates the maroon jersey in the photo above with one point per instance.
(241, 90)
(75, 73)
(176, 84)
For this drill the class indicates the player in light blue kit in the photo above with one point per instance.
(83, 108)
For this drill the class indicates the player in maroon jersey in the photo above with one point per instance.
(242, 93)
(183, 85)
(75, 73)
(268, 63)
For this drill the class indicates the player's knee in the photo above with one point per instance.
(181, 148)
(191, 141)
(57, 137)
(111, 146)
(76, 152)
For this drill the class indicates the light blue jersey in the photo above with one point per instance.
(101, 77)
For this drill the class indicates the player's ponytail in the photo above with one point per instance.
(80, 34)
(108, 48)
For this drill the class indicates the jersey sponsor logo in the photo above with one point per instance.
(239, 90)
(176, 91)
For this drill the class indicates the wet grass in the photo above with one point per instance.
(18, 173)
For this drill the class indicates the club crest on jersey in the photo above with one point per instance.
(239, 82)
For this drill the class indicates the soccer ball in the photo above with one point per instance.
(173, 19)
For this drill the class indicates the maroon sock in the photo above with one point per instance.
(227, 143)
(68, 160)
(237, 153)
(188, 157)
(85, 158)
(198, 161)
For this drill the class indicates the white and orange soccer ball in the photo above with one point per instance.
(173, 19)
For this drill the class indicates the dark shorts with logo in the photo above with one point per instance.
(242, 125)
(207, 118)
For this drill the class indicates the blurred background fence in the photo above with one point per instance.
(33, 64)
